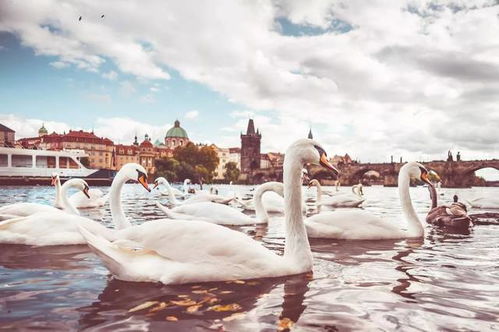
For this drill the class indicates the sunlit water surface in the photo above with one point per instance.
(444, 282)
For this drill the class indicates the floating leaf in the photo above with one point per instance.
(142, 306)
(182, 296)
(193, 308)
(239, 282)
(171, 318)
(237, 315)
(209, 300)
(227, 307)
(202, 291)
(212, 289)
(285, 324)
(184, 303)
(159, 307)
(196, 286)
(226, 292)
(253, 283)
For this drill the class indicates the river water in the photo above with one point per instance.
(444, 282)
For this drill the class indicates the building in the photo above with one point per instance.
(7, 136)
(176, 136)
(125, 154)
(250, 149)
(226, 155)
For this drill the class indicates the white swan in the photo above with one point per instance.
(60, 228)
(197, 198)
(484, 203)
(162, 181)
(177, 252)
(25, 209)
(186, 187)
(361, 225)
(97, 199)
(350, 200)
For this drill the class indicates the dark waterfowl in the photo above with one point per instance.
(455, 215)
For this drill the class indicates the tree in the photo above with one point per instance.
(231, 172)
(196, 162)
(167, 168)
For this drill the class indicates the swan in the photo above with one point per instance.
(25, 209)
(96, 199)
(362, 225)
(484, 203)
(197, 198)
(179, 252)
(347, 200)
(61, 228)
(162, 181)
(185, 186)
(223, 214)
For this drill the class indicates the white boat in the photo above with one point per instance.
(22, 163)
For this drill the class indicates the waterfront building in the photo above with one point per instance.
(7, 136)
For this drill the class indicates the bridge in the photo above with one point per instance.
(454, 174)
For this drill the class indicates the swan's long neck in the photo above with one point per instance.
(171, 195)
(318, 199)
(433, 196)
(185, 187)
(260, 211)
(414, 227)
(297, 246)
(58, 201)
(119, 219)
(66, 204)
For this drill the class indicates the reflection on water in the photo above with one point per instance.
(448, 281)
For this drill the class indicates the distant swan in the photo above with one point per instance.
(179, 252)
(25, 209)
(346, 200)
(162, 181)
(196, 198)
(455, 215)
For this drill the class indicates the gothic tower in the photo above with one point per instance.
(250, 149)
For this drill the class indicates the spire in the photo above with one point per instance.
(310, 136)
(251, 128)
(177, 123)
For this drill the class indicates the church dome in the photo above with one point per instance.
(176, 131)
(42, 130)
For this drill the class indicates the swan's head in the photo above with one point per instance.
(418, 171)
(81, 185)
(314, 182)
(309, 151)
(135, 172)
(158, 181)
(54, 178)
(187, 181)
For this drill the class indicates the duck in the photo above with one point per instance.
(25, 209)
(180, 252)
(345, 200)
(61, 228)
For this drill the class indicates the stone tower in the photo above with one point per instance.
(250, 149)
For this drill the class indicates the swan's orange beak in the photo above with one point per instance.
(424, 178)
(325, 163)
(143, 182)
(85, 191)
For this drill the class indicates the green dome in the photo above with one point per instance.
(176, 131)
(42, 130)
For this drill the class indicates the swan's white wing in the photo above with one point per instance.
(352, 225)
(25, 209)
(214, 212)
(182, 251)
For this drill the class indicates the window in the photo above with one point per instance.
(63, 162)
(45, 161)
(72, 163)
(3, 160)
(21, 161)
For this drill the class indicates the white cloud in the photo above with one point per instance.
(110, 75)
(148, 99)
(421, 80)
(100, 98)
(191, 115)
(59, 64)
(29, 127)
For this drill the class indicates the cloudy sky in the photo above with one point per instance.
(371, 78)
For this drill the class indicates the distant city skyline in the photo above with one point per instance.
(372, 80)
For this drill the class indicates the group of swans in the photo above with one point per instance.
(43, 225)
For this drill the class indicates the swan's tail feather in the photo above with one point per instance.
(110, 255)
(225, 201)
(165, 210)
